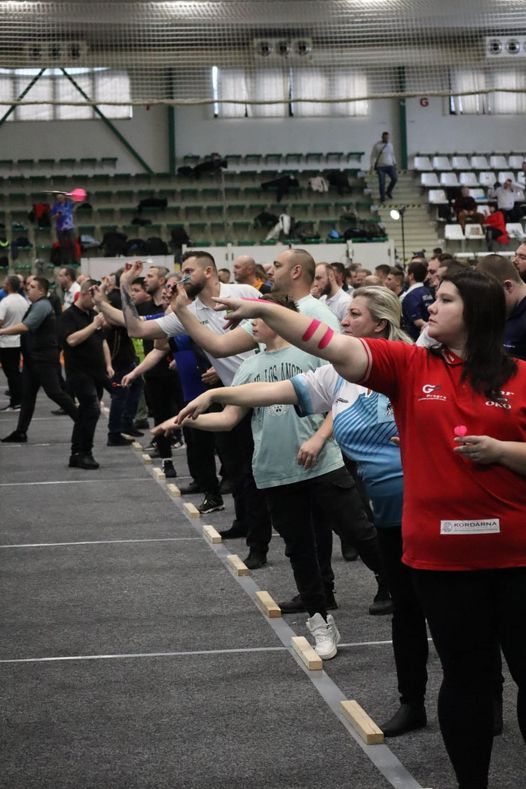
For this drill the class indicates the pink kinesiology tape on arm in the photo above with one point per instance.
(325, 340)
(311, 328)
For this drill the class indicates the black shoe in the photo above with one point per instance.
(59, 412)
(16, 437)
(389, 195)
(167, 467)
(118, 441)
(83, 460)
(255, 560)
(234, 532)
(132, 431)
(10, 408)
(211, 504)
(406, 719)
(152, 450)
(382, 603)
(296, 605)
(349, 552)
(192, 487)
(141, 424)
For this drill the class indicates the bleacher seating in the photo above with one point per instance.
(197, 204)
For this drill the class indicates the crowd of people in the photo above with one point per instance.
(385, 406)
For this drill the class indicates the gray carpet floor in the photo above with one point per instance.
(131, 657)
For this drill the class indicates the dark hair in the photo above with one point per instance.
(200, 255)
(396, 272)
(283, 301)
(14, 283)
(138, 281)
(338, 267)
(487, 366)
(418, 270)
(499, 267)
(383, 268)
(72, 274)
(42, 283)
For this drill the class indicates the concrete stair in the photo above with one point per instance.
(419, 228)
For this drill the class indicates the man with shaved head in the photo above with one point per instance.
(245, 273)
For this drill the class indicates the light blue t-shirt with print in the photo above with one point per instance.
(313, 308)
(363, 426)
(277, 430)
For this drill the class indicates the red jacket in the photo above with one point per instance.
(497, 221)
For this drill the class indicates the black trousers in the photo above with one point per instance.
(161, 395)
(469, 615)
(88, 392)
(10, 361)
(304, 514)
(201, 458)
(235, 449)
(48, 376)
(409, 632)
(68, 252)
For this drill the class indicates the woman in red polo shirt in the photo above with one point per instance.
(461, 414)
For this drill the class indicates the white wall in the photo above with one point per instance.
(197, 132)
(147, 132)
(431, 129)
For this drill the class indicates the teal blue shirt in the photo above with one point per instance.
(277, 429)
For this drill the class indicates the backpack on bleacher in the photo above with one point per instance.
(156, 246)
(136, 246)
(304, 229)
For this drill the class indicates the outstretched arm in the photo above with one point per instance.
(346, 354)
(219, 422)
(134, 325)
(217, 345)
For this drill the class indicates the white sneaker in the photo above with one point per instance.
(326, 635)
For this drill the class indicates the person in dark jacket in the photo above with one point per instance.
(39, 345)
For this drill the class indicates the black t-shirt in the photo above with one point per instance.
(121, 346)
(515, 331)
(161, 369)
(88, 356)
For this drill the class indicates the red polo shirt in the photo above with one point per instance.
(457, 515)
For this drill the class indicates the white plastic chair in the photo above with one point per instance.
(521, 178)
(468, 179)
(437, 197)
(474, 233)
(460, 163)
(503, 175)
(487, 179)
(478, 194)
(515, 230)
(423, 163)
(498, 162)
(448, 179)
(515, 161)
(441, 163)
(453, 233)
(429, 180)
(479, 163)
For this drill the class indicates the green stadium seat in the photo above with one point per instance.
(25, 162)
(252, 158)
(6, 162)
(108, 161)
(68, 162)
(293, 158)
(273, 158)
(314, 158)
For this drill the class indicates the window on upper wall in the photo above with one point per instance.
(509, 103)
(467, 81)
(498, 103)
(282, 88)
(99, 84)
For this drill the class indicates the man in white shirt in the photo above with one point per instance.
(330, 293)
(12, 309)
(384, 162)
(70, 287)
(507, 195)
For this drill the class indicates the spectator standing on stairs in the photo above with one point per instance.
(383, 161)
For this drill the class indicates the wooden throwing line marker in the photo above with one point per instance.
(136, 445)
(238, 566)
(159, 473)
(146, 459)
(174, 490)
(269, 607)
(211, 534)
(370, 733)
(192, 510)
(303, 649)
